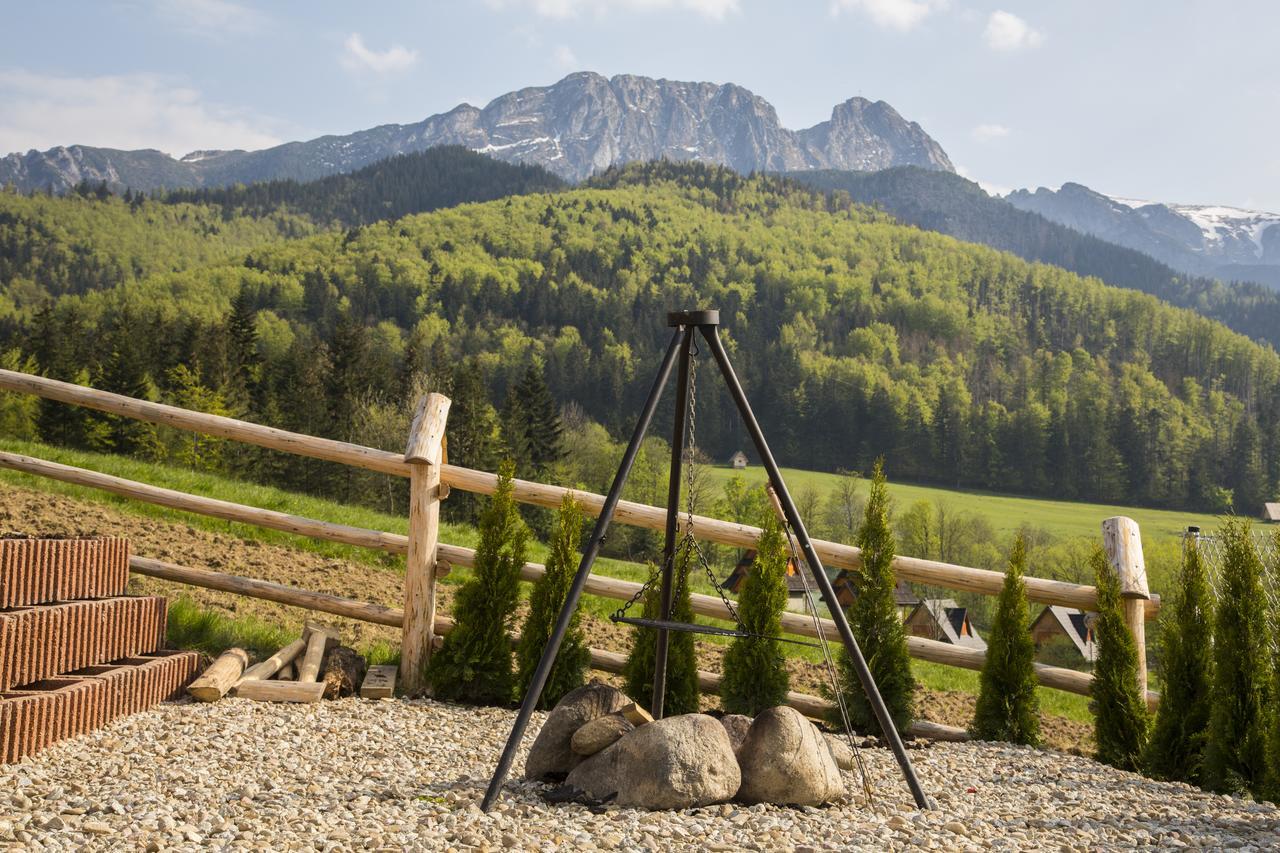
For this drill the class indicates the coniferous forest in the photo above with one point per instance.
(856, 337)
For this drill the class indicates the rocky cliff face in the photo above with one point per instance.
(580, 125)
(1224, 242)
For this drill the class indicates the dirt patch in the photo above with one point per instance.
(31, 512)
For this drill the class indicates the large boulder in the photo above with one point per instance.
(737, 726)
(786, 760)
(679, 762)
(552, 755)
(599, 733)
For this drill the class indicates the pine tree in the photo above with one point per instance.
(682, 661)
(545, 604)
(1121, 722)
(473, 432)
(531, 426)
(1008, 705)
(755, 670)
(244, 364)
(1176, 749)
(1235, 760)
(873, 617)
(124, 372)
(474, 664)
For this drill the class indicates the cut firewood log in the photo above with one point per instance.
(273, 664)
(380, 683)
(635, 714)
(344, 670)
(320, 638)
(280, 691)
(220, 677)
(286, 672)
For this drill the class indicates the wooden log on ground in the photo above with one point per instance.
(344, 672)
(286, 673)
(220, 676)
(280, 691)
(379, 682)
(320, 638)
(273, 664)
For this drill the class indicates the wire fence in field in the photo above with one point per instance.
(1267, 542)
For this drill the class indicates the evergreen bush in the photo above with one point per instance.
(1235, 759)
(873, 617)
(1008, 705)
(1176, 749)
(682, 661)
(545, 603)
(755, 670)
(474, 664)
(1121, 721)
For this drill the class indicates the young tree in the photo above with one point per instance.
(682, 660)
(1235, 760)
(874, 618)
(545, 603)
(1008, 706)
(1121, 722)
(531, 425)
(755, 670)
(474, 664)
(1176, 749)
(473, 431)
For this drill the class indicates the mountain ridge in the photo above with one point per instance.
(575, 127)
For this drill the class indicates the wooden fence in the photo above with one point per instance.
(427, 559)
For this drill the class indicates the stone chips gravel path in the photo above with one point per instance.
(398, 774)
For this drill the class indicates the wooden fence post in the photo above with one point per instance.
(1123, 544)
(425, 453)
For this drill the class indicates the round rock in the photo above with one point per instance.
(552, 755)
(599, 733)
(786, 760)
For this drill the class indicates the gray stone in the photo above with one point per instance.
(676, 763)
(840, 750)
(552, 755)
(599, 733)
(785, 760)
(736, 726)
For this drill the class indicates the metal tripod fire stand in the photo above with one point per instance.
(685, 324)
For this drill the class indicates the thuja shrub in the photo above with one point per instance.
(682, 693)
(545, 603)
(755, 669)
(1008, 706)
(474, 664)
(1121, 721)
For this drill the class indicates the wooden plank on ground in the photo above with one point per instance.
(379, 683)
(280, 691)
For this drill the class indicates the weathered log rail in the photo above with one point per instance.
(431, 477)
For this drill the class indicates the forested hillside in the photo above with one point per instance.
(856, 337)
(945, 202)
(389, 189)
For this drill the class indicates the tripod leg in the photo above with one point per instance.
(669, 548)
(584, 570)
(816, 569)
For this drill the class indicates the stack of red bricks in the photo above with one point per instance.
(75, 653)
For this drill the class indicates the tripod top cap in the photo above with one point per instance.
(706, 317)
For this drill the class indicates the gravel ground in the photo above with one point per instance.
(409, 774)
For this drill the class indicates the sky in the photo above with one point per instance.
(1163, 100)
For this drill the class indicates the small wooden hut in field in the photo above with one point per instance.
(1271, 513)
(1066, 627)
(944, 620)
(738, 461)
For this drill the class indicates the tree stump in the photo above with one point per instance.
(344, 671)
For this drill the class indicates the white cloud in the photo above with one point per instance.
(120, 111)
(713, 9)
(900, 15)
(564, 57)
(1007, 32)
(212, 18)
(356, 56)
(988, 132)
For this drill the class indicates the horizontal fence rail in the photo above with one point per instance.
(1061, 678)
(601, 659)
(835, 554)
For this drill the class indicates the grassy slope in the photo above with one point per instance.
(935, 676)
